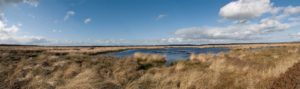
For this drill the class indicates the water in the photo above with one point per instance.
(172, 54)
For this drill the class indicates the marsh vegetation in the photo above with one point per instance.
(239, 68)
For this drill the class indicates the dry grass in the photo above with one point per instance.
(238, 69)
(201, 57)
(76, 50)
(48, 71)
(142, 57)
(19, 70)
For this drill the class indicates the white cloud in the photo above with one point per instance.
(87, 20)
(68, 15)
(23, 40)
(8, 2)
(233, 32)
(292, 10)
(112, 42)
(8, 36)
(32, 2)
(172, 40)
(276, 19)
(4, 30)
(296, 35)
(245, 9)
(160, 16)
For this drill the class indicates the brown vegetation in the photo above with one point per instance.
(142, 57)
(259, 68)
(66, 72)
(201, 57)
(289, 80)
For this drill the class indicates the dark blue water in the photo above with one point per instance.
(172, 54)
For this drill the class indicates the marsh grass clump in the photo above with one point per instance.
(143, 57)
(202, 57)
(147, 61)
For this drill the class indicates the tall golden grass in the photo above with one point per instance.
(237, 69)
(143, 57)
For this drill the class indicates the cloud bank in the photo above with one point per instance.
(8, 35)
(269, 19)
(233, 32)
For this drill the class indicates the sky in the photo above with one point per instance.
(148, 22)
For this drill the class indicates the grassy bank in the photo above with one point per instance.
(247, 68)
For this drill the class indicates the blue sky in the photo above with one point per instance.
(122, 22)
